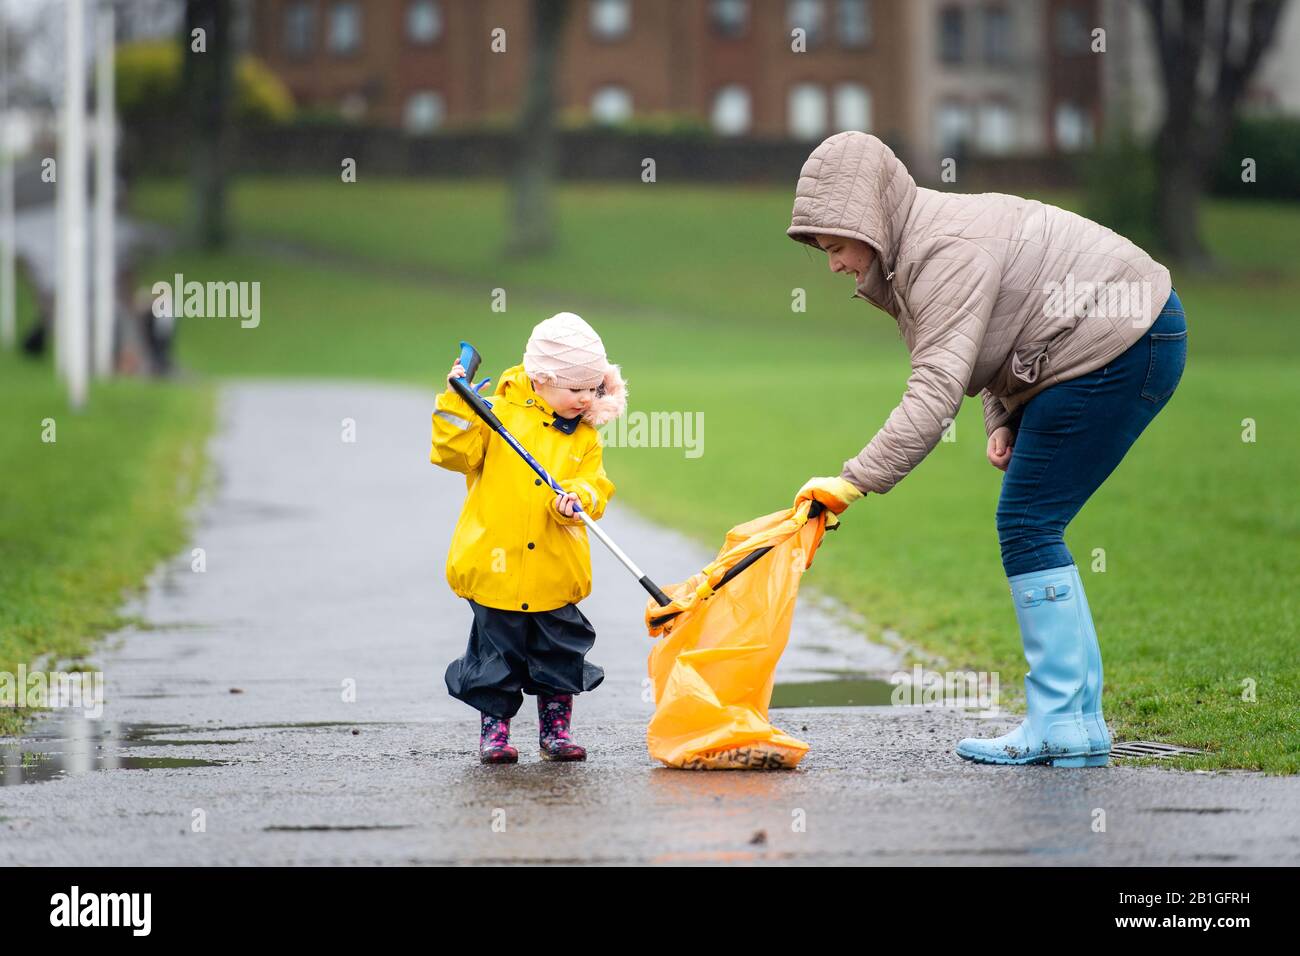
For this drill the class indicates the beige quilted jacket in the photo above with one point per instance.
(994, 295)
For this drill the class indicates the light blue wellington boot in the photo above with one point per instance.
(1093, 721)
(1056, 642)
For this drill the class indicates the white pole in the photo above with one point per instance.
(104, 197)
(72, 182)
(8, 329)
(60, 256)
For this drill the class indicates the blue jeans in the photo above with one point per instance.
(1074, 434)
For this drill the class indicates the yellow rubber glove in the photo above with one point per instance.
(835, 493)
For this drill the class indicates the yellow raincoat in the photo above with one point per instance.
(511, 549)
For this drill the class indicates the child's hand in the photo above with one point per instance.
(457, 371)
(564, 504)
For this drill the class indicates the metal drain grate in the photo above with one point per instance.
(1149, 748)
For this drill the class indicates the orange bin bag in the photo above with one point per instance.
(714, 668)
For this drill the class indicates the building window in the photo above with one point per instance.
(997, 35)
(424, 111)
(611, 19)
(807, 118)
(952, 34)
(1073, 127)
(952, 127)
(345, 27)
(853, 22)
(611, 104)
(731, 110)
(809, 16)
(1072, 33)
(299, 25)
(852, 107)
(729, 17)
(423, 21)
(996, 131)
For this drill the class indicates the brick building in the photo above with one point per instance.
(939, 76)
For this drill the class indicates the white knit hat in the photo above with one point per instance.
(565, 351)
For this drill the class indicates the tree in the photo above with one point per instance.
(1225, 39)
(533, 226)
(208, 62)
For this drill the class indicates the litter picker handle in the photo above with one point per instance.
(470, 360)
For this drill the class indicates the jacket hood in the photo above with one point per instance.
(853, 185)
(611, 398)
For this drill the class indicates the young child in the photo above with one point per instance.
(520, 555)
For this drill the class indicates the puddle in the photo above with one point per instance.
(856, 691)
(1195, 810)
(55, 749)
(155, 742)
(307, 725)
(161, 626)
(231, 511)
(336, 828)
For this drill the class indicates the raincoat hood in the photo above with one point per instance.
(611, 397)
(853, 185)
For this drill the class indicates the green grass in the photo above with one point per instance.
(692, 251)
(690, 289)
(86, 517)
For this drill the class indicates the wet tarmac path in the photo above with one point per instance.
(286, 705)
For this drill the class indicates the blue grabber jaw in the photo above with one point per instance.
(470, 361)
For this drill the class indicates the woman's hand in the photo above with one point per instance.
(1000, 445)
(835, 493)
(564, 504)
(457, 371)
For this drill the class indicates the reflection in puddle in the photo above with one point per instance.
(856, 691)
(55, 749)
